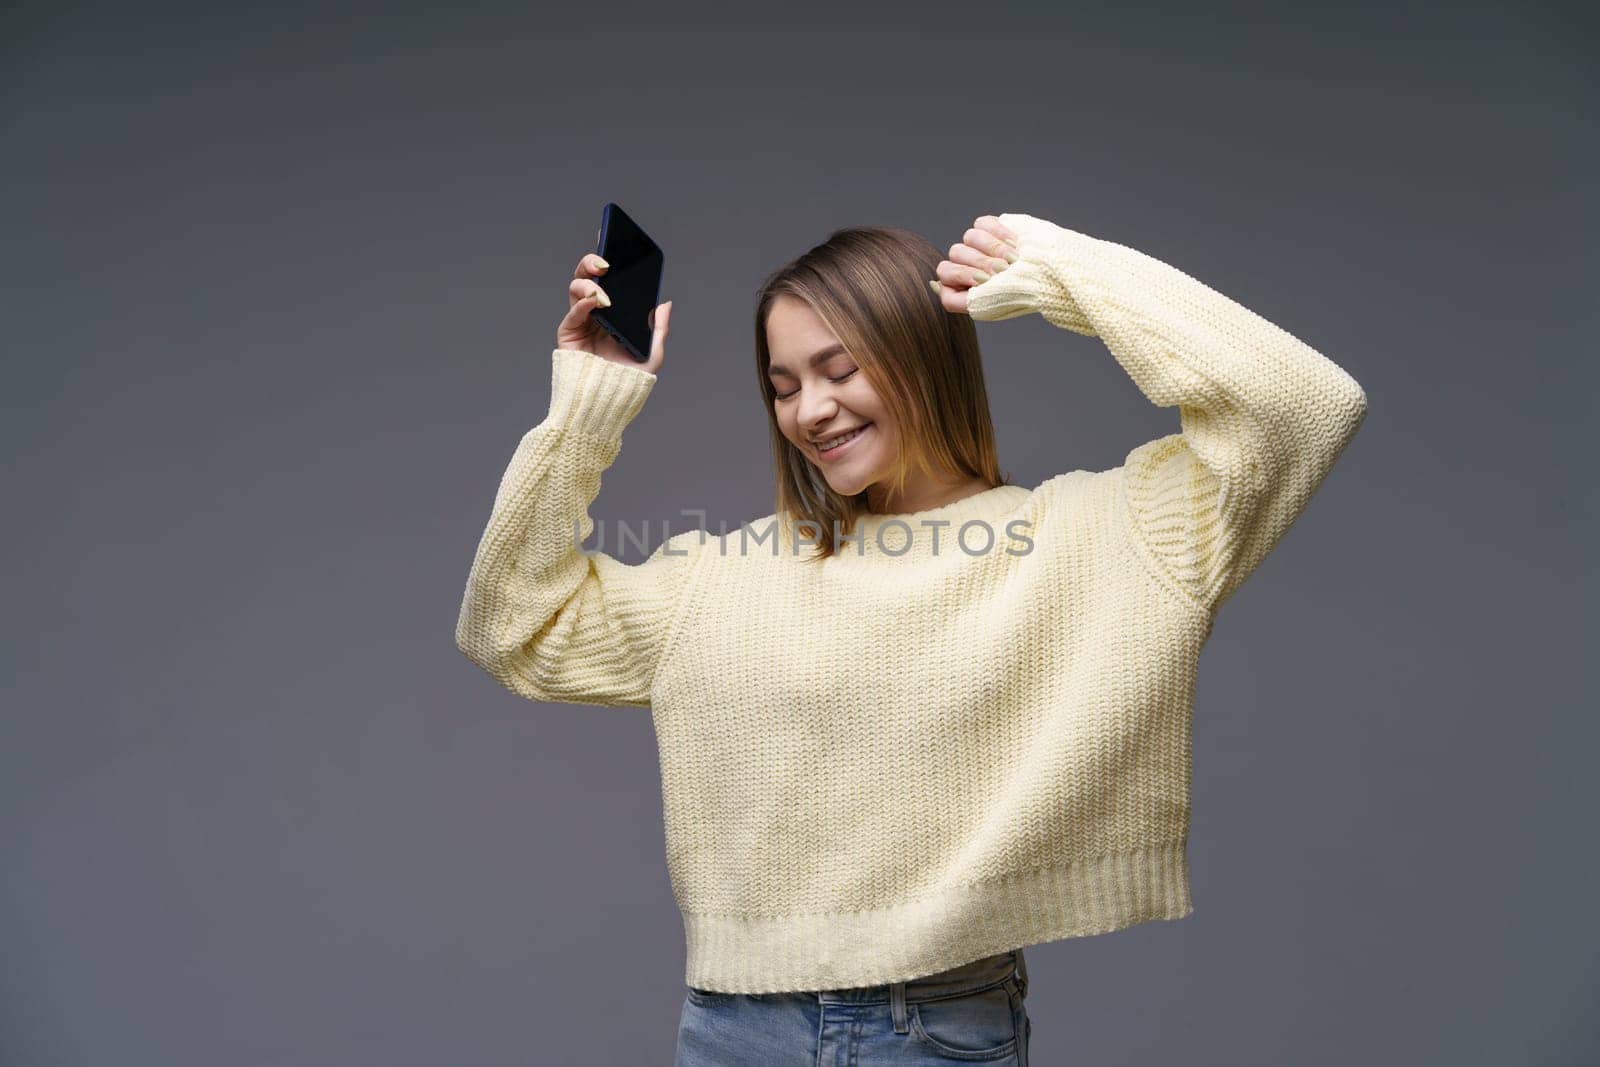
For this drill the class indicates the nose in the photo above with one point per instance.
(817, 409)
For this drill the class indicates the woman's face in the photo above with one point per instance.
(830, 398)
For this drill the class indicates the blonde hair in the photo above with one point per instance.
(869, 284)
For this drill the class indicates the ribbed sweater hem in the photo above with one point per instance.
(803, 953)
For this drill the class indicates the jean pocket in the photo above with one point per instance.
(974, 1027)
(707, 998)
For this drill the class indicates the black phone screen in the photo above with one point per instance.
(632, 281)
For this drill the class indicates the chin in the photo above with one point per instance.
(850, 486)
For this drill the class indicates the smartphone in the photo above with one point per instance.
(632, 281)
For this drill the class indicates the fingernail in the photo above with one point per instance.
(602, 264)
(601, 298)
(934, 285)
(980, 277)
(1011, 256)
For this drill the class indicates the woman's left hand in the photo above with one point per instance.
(986, 249)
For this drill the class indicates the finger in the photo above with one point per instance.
(1000, 229)
(577, 317)
(580, 289)
(972, 257)
(951, 299)
(1000, 232)
(989, 242)
(959, 275)
(590, 265)
(658, 338)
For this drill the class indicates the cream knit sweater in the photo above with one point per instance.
(918, 752)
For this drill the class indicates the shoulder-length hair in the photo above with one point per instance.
(869, 284)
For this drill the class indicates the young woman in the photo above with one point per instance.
(919, 716)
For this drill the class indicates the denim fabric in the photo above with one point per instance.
(973, 1013)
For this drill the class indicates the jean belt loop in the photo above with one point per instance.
(897, 1007)
(1022, 973)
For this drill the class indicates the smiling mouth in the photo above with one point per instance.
(838, 443)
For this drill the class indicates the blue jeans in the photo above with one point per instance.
(973, 1013)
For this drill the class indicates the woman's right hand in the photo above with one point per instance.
(578, 331)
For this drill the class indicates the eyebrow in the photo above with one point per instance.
(813, 359)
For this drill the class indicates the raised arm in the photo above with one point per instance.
(1263, 416)
(546, 619)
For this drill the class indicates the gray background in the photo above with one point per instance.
(281, 283)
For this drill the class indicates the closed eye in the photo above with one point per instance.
(840, 378)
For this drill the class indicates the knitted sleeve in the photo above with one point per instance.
(1263, 416)
(547, 619)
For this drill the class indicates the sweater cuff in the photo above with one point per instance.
(593, 394)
